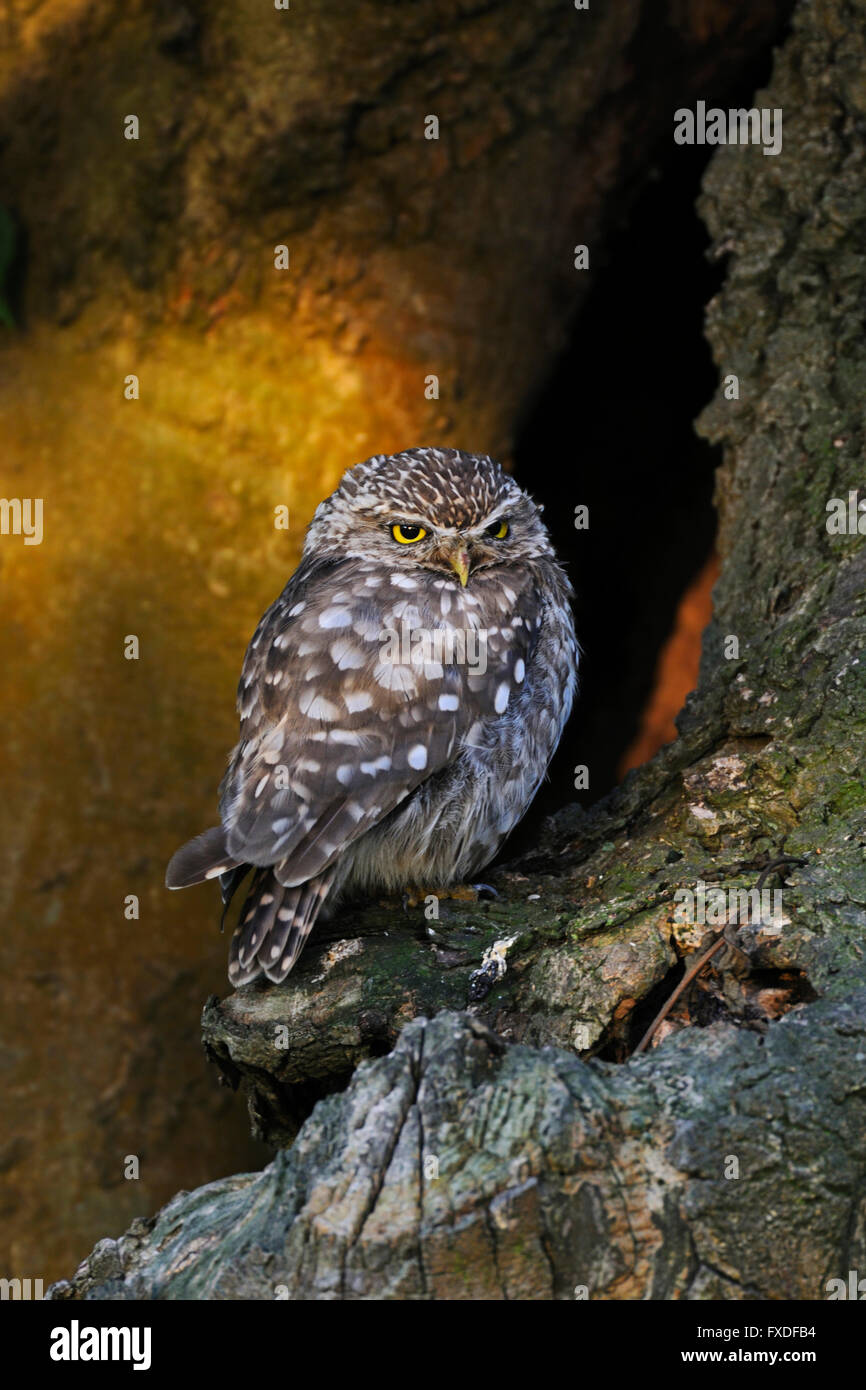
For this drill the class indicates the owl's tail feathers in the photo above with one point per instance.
(275, 922)
(204, 857)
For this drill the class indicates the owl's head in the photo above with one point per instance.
(441, 509)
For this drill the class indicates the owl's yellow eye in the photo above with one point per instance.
(406, 534)
(499, 530)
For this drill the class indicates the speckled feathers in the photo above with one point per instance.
(395, 721)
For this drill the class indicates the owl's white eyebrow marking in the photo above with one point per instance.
(417, 757)
(498, 513)
(356, 700)
(335, 617)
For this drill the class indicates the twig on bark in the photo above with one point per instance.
(697, 966)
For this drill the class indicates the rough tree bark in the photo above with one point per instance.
(154, 258)
(482, 1157)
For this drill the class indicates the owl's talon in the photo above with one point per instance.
(485, 890)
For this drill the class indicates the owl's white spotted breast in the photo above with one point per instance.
(454, 823)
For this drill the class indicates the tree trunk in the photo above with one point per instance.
(482, 1156)
(156, 259)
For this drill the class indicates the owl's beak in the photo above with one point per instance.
(458, 559)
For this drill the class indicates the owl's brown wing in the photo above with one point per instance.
(339, 723)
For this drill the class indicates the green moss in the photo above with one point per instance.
(850, 797)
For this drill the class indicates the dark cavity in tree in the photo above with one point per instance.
(612, 429)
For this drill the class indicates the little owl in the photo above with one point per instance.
(399, 702)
